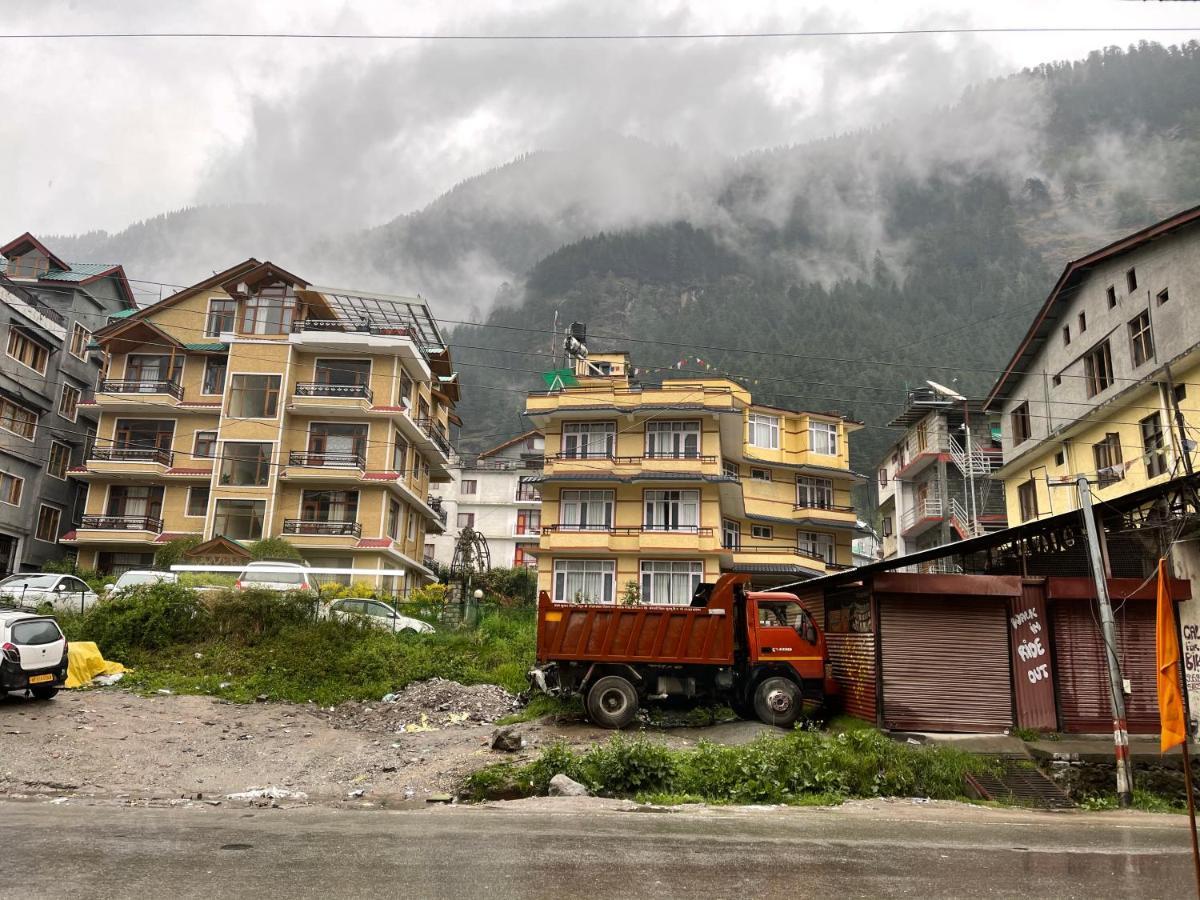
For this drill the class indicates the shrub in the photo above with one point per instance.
(172, 552)
(275, 548)
(148, 617)
(259, 611)
(508, 587)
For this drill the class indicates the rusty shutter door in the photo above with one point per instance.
(945, 665)
(1082, 671)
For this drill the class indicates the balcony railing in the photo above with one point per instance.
(322, 528)
(330, 460)
(41, 308)
(321, 389)
(625, 529)
(171, 388)
(355, 326)
(630, 460)
(824, 507)
(123, 523)
(781, 549)
(132, 454)
(435, 433)
(930, 508)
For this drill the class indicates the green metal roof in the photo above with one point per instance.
(122, 314)
(78, 272)
(217, 347)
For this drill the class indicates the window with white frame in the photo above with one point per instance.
(80, 338)
(763, 431)
(731, 534)
(583, 510)
(679, 440)
(589, 440)
(670, 582)
(815, 544)
(814, 493)
(672, 510)
(584, 580)
(762, 532)
(730, 469)
(823, 438)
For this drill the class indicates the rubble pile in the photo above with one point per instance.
(426, 706)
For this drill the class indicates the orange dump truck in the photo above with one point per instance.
(760, 652)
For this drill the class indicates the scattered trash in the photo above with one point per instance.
(164, 691)
(198, 655)
(509, 739)
(426, 706)
(562, 786)
(439, 798)
(85, 662)
(224, 684)
(261, 698)
(921, 800)
(108, 680)
(390, 698)
(356, 793)
(59, 801)
(914, 741)
(269, 793)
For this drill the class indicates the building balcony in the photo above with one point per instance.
(361, 336)
(774, 554)
(142, 394)
(920, 518)
(332, 399)
(824, 512)
(646, 464)
(321, 528)
(118, 529)
(628, 538)
(436, 435)
(129, 462)
(527, 495)
(355, 462)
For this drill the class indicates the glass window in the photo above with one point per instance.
(1131, 280)
(36, 632)
(340, 444)
(1110, 294)
(47, 524)
(1163, 296)
(206, 445)
(214, 375)
(1107, 456)
(1141, 339)
(672, 510)
(399, 453)
(527, 488)
(470, 486)
(730, 469)
(583, 510)
(60, 459)
(1154, 445)
(254, 396)
(406, 389)
(1027, 500)
(1082, 322)
(240, 520)
(673, 439)
(1019, 418)
(589, 439)
(760, 474)
(197, 500)
(10, 489)
(221, 313)
(823, 438)
(343, 372)
(762, 532)
(731, 534)
(17, 419)
(584, 580)
(814, 493)
(764, 431)
(143, 434)
(466, 520)
(670, 582)
(269, 310)
(80, 338)
(27, 351)
(151, 369)
(815, 544)
(245, 464)
(393, 519)
(68, 402)
(529, 521)
(411, 530)
(1097, 367)
(329, 506)
(135, 501)
(29, 265)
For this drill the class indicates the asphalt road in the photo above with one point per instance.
(574, 848)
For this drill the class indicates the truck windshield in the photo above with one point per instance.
(786, 614)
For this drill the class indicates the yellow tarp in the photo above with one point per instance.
(85, 662)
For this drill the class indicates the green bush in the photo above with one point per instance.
(508, 587)
(146, 617)
(172, 552)
(259, 611)
(274, 548)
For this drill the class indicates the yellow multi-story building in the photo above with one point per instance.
(255, 405)
(648, 490)
(1094, 386)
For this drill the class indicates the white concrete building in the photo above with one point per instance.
(492, 494)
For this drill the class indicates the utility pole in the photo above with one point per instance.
(1107, 631)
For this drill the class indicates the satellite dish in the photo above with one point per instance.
(945, 391)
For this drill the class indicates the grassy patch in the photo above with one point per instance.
(542, 705)
(804, 767)
(1146, 801)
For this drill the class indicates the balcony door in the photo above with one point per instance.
(329, 506)
(135, 501)
(343, 372)
(340, 444)
(676, 440)
(151, 368)
(143, 434)
(672, 510)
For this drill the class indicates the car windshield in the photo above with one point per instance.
(376, 608)
(132, 578)
(291, 576)
(36, 631)
(31, 582)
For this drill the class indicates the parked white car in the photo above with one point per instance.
(276, 576)
(33, 654)
(62, 592)
(375, 613)
(137, 578)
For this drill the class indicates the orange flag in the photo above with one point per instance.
(1170, 701)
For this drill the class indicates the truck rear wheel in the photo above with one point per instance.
(777, 701)
(612, 702)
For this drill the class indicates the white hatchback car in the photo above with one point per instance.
(33, 654)
(375, 613)
(62, 592)
(137, 578)
(276, 576)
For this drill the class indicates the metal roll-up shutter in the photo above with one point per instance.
(945, 665)
(1082, 670)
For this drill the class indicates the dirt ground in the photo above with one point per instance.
(110, 744)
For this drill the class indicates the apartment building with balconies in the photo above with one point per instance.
(494, 494)
(49, 310)
(255, 405)
(648, 490)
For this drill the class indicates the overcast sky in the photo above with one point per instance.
(101, 133)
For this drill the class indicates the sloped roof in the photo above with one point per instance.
(28, 238)
(516, 440)
(179, 296)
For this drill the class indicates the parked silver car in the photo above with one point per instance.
(375, 613)
(63, 592)
(137, 578)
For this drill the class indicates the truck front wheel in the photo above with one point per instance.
(777, 702)
(612, 702)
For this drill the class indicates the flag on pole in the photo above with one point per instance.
(1170, 701)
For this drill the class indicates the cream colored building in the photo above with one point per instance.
(648, 490)
(255, 405)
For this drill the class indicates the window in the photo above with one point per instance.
(760, 474)
(730, 469)
(221, 313)
(1131, 280)
(406, 388)
(151, 369)
(1107, 455)
(672, 510)
(523, 557)
(1141, 339)
(1082, 322)
(254, 396)
(823, 438)
(80, 338)
(197, 500)
(206, 445)
(584, 580)
(731, 534)
(337, 444)
(240, 520)
(214, 375)
(527, 488)
(883, 477)
(80, 505)
(814, 493)
(1019, 418)
(60, 458)
(588, 439)
(887, 526)
(134, 501)
(762, 532)
(466, 520)
(1110, 294)
(344, 372)
(47, 524)
(269, 310)
(1066, 333)
(393, 519)
(17, 419)
(470, 486)
(27, 351)
(245, 464)
(763, 431)
(329, 506)
(143, 434)
(680, 440)
(399, 453)
(1027, 500)
(68, 402)
(814, 544)
(670, 582)
(529, 521)
(10, 489)
(411, 531)
(430, 550)
(1060, 458)
(1162, 297)
(29, 265)
(1097, 368)
(583, 510)
(1153, 444)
